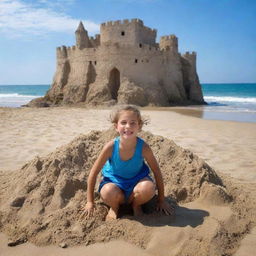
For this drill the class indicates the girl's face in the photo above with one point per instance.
(128, 124)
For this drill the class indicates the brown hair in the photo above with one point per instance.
(114, 116)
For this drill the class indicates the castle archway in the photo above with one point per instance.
(114, 82)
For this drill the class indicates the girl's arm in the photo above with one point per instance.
(104, 155)
(153, 164)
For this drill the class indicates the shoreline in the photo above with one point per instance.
(206, 112)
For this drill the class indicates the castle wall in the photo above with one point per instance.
(172, 78)
(132, 63)
(145, 65)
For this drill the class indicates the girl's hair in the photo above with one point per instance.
(114, 116)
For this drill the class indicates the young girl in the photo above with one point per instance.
(125, 174)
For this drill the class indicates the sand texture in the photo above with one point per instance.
(41, 198)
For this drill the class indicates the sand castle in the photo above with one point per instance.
(124, 64)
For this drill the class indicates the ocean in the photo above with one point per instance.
(17, 95)
(233, 102)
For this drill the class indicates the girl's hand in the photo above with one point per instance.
(88, 210)
(165, 207)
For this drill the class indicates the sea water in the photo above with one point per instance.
(235, 102)
(18, 95)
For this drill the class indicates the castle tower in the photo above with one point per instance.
(132, 32)
(191, 58)
(169, 43)
(82, 39)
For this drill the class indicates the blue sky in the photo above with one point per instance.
(222, 32)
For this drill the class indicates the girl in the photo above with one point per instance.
(125, 174)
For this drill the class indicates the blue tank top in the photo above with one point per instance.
(133, 168)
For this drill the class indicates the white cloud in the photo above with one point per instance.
(60, 4)
(19, 18)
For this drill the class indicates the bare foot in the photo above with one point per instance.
(137, 211)
(112, 215)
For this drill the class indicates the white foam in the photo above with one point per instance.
(230, 99)
(15, 99)
(16, 95)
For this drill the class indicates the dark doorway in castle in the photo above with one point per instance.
(114, 82)
(91, 74)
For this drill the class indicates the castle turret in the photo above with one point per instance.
(191, 58)
(190, 78)
(169, 43)
(82, 39)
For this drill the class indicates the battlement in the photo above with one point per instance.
(62, 52)
(119, 23)
(189, 54)
(169, 37)
(122, 22)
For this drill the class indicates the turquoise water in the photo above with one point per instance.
(235, 102)
(28, 90)
(230, 90)
(237, 95)
(18, 95)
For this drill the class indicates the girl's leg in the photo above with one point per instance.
(142, 193)
(113, 196)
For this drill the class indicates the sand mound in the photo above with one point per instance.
(41, 202)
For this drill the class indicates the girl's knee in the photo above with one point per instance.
(145, 186)
(110, 190)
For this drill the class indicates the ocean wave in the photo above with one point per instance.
(16, 95)
(15, 99)
(230, 99)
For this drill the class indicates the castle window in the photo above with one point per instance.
(95, 62)
(136, 61)
(140, 45)
(90, 62)
(122, 33)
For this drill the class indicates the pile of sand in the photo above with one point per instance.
(41, 202)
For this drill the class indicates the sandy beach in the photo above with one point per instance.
(228, 147)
